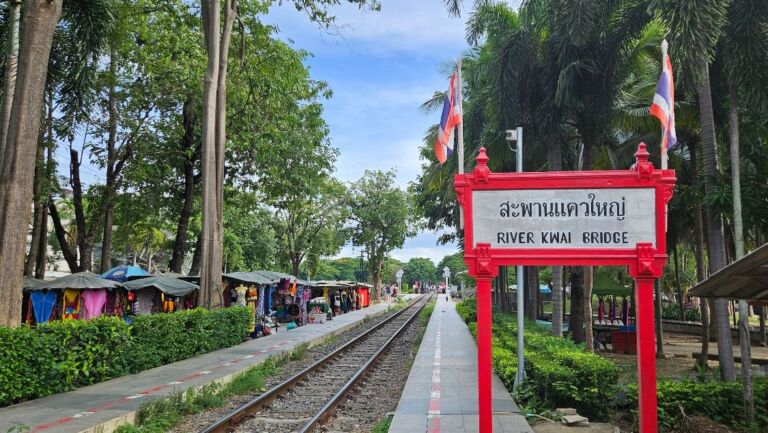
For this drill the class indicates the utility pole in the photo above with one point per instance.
(516, 135)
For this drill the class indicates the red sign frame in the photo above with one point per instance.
(645, 261)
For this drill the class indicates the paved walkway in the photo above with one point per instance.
(104, 406)
(441, 392)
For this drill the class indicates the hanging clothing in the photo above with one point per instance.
(260, 303)
(71, 308)
(241, 291)
(94, 301)
(42, 304)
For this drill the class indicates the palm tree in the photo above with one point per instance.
(695, 29)
(745, 51)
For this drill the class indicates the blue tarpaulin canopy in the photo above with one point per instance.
(123, 273)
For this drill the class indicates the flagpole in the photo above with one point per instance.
(664, 155)
(460, 132)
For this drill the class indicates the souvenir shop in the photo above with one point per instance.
(160, 294)
(85, 295)
(273, 297)
(339, 297)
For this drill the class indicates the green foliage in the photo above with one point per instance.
(60, 356)
(426, 313)
(672, 312)
(560, 372)
(159, 339)
(420, 269)
(720, 401)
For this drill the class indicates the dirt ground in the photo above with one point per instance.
(681, 364)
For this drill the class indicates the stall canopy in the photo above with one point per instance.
(249, 277)
(275, 277)
(80, 280)
(332, 284)
(168, 285)
(32, 283)
(124, 273)
(746, 278)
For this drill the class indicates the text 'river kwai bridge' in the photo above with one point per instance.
(577, 218)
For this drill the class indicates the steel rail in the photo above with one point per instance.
(326, 411)
(234, 418)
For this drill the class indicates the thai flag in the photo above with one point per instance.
(663, 107)
(450, 118)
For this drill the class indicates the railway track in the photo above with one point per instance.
(308, 399)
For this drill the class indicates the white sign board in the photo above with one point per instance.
(564, 218)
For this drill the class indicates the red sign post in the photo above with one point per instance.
(582, 218)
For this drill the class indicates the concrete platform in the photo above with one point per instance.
(441, 392)
(104, 406)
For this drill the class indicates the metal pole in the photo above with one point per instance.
(520, 375)
(460, 130)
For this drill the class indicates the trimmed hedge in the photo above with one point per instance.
(560, 372)
(60, 356)
(721, 401)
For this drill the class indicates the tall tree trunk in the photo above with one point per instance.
(188, 199)
(50, 172)
(555, 164)
(575, 320)
(18, 161)
(11, 68)
(194, 269)
(589, 274)
(85, 235)
(39, 206)
(210, 256)
(109, 194)
(716, 237)
(677, 283)
(61, 236)
(658, 318)
(745, 337)
(698, 250)
(214, 140)
(531, 275)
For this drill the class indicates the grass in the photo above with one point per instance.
(426, 313)
(383, 425)
(162, 415)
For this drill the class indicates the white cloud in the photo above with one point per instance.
(401, 26)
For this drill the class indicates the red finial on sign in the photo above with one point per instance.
(643, 167)
(481, 169)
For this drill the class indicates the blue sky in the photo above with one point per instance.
(381, 67)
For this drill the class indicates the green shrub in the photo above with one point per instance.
(159, 339)
(560, 372)
(672, 312)
(720, 401)
(60, 356)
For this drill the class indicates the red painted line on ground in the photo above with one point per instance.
(52, 424)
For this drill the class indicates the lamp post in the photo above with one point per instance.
(516, 135)
(399, 276)
(447, 275)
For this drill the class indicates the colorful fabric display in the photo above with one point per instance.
(94, 301)
(71, 308)
(42, 304)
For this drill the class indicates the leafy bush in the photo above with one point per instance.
(159, 339)
(560, 372)
(60, 356)
(672, 312)
(720, 401)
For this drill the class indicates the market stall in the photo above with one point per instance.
(83, 295)
(160, 293)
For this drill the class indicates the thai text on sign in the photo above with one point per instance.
(564, 218)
